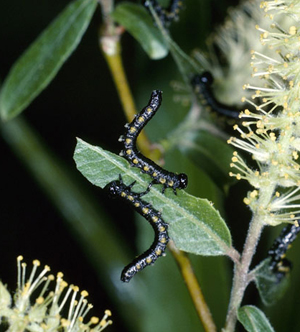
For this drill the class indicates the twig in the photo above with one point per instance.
(193, 288)
(109, 41)
(240, 279)
(110, 46)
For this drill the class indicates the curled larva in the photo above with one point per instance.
(158, 247)
(137, 159)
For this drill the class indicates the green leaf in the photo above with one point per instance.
(136, 20)
(195, 226)
(35, 69)
(211, 154)
(270, 289)
(253, 319)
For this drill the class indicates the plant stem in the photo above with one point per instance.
(110, 46)
(240, 279)
(109, 41)
(193, 288)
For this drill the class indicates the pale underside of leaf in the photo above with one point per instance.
(254, 320)
(270, 288)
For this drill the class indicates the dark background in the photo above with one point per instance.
(80, 102)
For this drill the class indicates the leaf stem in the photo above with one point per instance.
(193, 288)
(240, 279)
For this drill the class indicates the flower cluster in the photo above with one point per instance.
(233, 40)
(271, 133)
(35, 309)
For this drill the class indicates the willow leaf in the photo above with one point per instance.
(253, 319)
(270, 288)
(35, 69)
(194, 224)
(135, 19)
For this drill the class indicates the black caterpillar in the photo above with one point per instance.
(279, 264)
(131, 153)
(165, 14)
(202, 87)
(158, 247)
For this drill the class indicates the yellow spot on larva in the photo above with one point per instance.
(148, 260)
(128, 151)
(138, 266)
(136, 204)
(145, 210)
(154, 174)
(162, 228)
(171, 183)
(141, 119)
(135, 161)
(149, 109)
(146, 168)
(132, 130)
(155, 218)
(163, 240)
(130, 198)
(128, 140)
(123, 194)
(158, 252)
(162, 180)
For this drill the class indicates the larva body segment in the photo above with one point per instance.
(279, 264)
(202, 86)
(161, 239)
(165, 14)
(137, 159)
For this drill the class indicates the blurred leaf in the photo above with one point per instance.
(211, 154)
(195, 226)
(254, 320)
(136, 20)
(270, 289)
(35, 69)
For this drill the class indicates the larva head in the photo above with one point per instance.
(183, 180)
(205, 78)
(114, 189)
